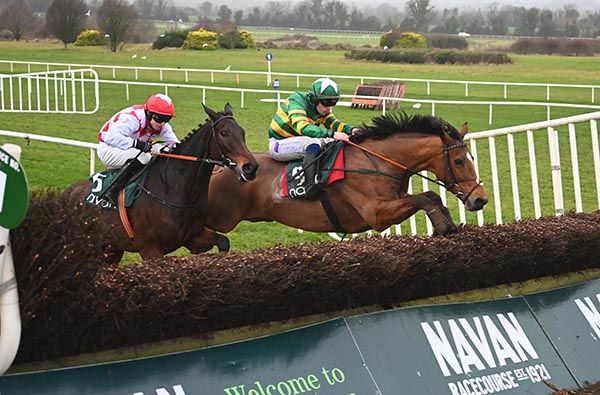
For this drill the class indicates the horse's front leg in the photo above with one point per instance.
(439, 215)
(206, 240)
(382, 214)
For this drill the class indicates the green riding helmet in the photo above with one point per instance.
(324, 90)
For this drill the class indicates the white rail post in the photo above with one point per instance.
(575, 161)
(559, 206)
(495, 182)
(596, 151)
(514, 176)
(534, 178)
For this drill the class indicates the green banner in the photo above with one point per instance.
(317, 359)
(571, 318)
(508, 346)
(462, 349)
(14, 195)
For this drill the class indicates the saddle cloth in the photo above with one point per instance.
(100, 181)
(331, 165)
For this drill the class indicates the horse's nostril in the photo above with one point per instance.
(480, 202)
(249, 169)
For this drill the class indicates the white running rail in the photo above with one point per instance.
(428, 83)
(64, 92)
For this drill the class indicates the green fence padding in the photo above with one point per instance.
(571, 318)
(460, 349)
(317, 359)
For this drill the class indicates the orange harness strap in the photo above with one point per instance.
(123, 214)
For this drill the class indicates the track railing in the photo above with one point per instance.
(268, 75)
(64, 91)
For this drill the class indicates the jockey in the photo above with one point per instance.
(125, 140)
(303, 124)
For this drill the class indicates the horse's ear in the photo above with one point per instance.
(228, 109)
(463, 130)
(212, 114)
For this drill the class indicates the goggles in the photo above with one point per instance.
(160, 118)
(328, 102)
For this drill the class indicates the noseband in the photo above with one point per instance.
(456, 181)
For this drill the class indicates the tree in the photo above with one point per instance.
(146, 8)
(238, 16)
(547, 25)
(17, 17)
(65, 19)
(224, 14)
(528, 22)
(420, 11)
(497, 20)
(116, 18)
(571, 18)
(206, 8)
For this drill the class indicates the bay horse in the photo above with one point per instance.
(173, 204)
(373, 194)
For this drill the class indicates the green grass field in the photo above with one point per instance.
(50, 165)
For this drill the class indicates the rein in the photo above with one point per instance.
(393, 163)
(223, 161)
(447, 148)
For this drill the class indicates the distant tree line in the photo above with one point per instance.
(123, 20)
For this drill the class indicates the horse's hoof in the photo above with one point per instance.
(223, 243)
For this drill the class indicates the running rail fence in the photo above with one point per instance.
(525, 155)
(186, 72)
(67, 91)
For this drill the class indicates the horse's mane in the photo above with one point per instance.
(392, 123)
(187, 137)
(195, 130)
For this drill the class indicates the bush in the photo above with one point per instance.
(247, 39)
(201, 39)
(90, 38)
(559, 46)
(174, 39)
(447, 41)
(6, 35)
(430, 56)
(411, 40)
(236, 39)
(399, 39)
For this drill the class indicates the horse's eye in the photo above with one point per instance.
(459, 162)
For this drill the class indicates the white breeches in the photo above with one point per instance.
(115, 158)
(293, 148)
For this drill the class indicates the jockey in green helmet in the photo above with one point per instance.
(304, 123)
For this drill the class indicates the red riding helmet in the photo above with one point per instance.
(160, 104)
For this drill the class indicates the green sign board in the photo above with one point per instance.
(320, 359)
(14, 198)
(571, 318)
(462, 349)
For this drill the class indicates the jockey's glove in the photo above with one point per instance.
(143, 146)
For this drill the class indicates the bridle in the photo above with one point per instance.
(454, 184)
(223, 161)
(456, 181)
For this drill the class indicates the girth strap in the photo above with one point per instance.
(331, 215)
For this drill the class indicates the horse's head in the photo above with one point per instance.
(459, 173)
(230, 141)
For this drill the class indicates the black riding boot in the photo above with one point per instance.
(130, 168)
(311, 175)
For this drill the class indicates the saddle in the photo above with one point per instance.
(331, 169)
(102, 180)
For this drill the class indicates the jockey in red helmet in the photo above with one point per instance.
(127, 138)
